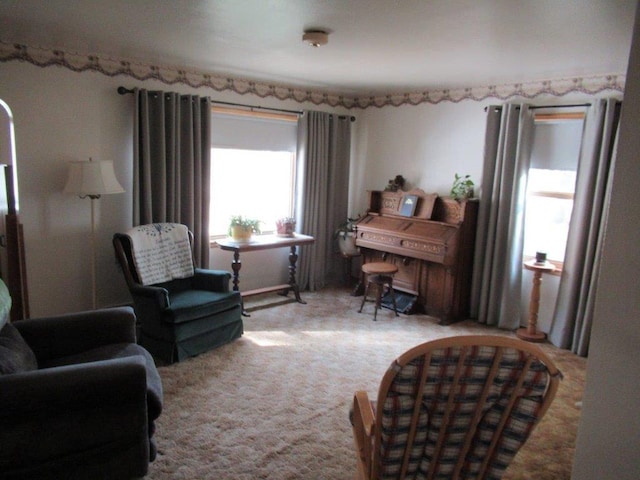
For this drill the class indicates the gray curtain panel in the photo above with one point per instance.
(497, 277)
(322, 187)
(172, 163)
(573, 315)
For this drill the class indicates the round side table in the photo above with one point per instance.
(530, 333)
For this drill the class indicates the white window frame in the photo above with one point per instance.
(555, 117)
(260, 115)
(292, 178)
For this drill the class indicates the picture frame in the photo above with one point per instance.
(408, 206)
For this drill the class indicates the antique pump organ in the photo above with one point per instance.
(431, 240)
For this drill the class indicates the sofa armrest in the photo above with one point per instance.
(212, 280)
(69, 334)
(52, 413)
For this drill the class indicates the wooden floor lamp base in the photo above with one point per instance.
(524, 334)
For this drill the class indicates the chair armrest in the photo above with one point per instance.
(363, 412)
(53, 412)
(69, 388)
(158, 295)
(62, 335)
(363, 421)
(212, 280)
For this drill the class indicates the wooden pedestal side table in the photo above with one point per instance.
(266, 242)
(530, 333)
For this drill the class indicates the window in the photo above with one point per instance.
(551, 184)
(253, 160)
(253, 183)
(549, 206)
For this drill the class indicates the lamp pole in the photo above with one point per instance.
(92, 179)
(94, 295)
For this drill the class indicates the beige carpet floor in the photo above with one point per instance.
(274, 404)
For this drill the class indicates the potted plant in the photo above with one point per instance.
(285, 226)
(345, 236)
(462, 187)
(241, 228)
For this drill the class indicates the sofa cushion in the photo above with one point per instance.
(15, 354)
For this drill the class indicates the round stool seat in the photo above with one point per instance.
(379, 274)
(380, 279)
(379, 268)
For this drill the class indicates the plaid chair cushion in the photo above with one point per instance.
(442, 432)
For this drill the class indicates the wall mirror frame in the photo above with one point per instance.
(12, 254)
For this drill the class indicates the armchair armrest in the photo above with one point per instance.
(51, 391)
(212, 280)
(159, 296)
(51, 413)
(62, 335)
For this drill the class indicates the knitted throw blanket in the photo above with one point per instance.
(161, 252)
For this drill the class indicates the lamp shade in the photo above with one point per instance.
(92, 179)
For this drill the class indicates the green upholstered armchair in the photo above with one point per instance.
(191, 310)
(78, 397)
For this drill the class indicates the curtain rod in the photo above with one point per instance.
(252, 107)
(575, 105)
(281, 110)
(537, 107)
(124, 91)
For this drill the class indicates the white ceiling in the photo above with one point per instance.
(375, 46)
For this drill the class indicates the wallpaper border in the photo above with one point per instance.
(42, 57)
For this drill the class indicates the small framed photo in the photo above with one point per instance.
(408, 207)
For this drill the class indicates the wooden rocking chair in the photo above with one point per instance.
(453, 408)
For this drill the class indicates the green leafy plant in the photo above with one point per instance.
(247, 223)
(462, 187)
(347, 227)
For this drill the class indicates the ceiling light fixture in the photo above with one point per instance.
(315, 38)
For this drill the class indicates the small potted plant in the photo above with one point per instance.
(462, 187)
(285, 226)
(241, 228)
(345, 236)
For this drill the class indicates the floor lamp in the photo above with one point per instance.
(91, 180)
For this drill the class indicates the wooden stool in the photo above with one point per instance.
(380, 274)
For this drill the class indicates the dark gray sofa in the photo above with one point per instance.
(78, 397)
